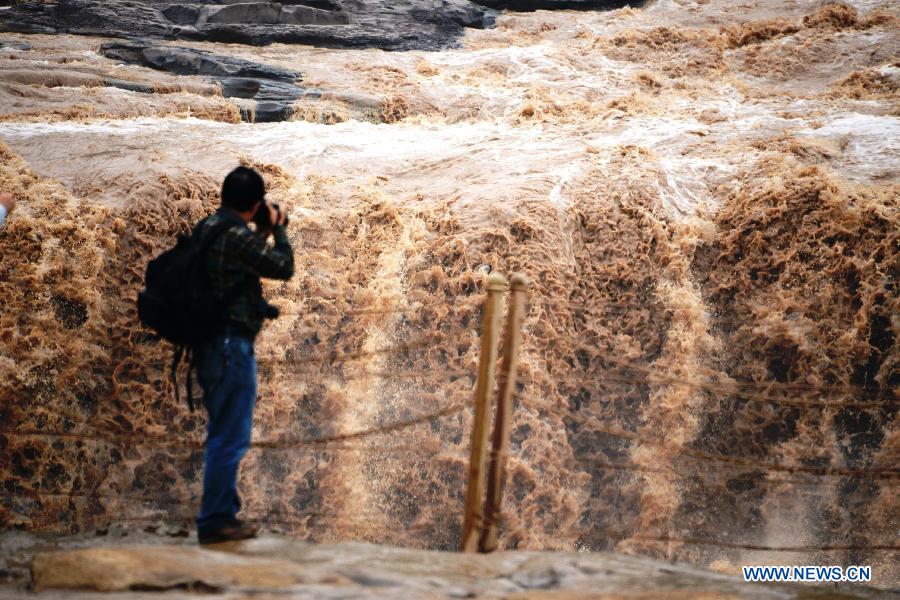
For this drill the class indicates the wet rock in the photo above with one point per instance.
(259, 13)
(272, 112)
(187, 61)
(240, 87)
(273, 88)
(274, 92)
(131, 86)
(182, 14)
(305, 15)
(459, 12)
(114, 18)
(323, 4)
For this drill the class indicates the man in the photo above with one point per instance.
(7, 204)
(226, 364)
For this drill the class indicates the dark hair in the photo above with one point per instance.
(242, 188)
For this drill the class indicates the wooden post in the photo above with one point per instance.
(472, 523)
(503, 421)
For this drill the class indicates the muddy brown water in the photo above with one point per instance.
(703, 194)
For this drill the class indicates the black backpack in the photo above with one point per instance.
(177, 303)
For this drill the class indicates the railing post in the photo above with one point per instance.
(473, 520)
(503, 421)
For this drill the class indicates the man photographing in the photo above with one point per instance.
(235, 261)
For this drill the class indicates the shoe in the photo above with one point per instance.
(239, 530)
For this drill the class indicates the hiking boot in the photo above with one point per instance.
(239, 530)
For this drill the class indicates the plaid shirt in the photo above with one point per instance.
(239, 257)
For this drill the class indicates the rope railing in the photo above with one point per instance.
(173, 440)
(388, 375)
(110, 429)
(415, 307)
(335, 357)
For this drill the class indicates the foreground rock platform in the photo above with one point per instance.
(122, 566)
(407, 24)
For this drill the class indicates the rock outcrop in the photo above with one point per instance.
(349, 23)
(397, 25)
(274, 92)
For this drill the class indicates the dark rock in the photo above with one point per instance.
(273, 88)
(531, 5)
(131, 86)
(271, 112)
(187, 61)
(182, 14)
(394, 25)
(305, 15)
(240, 87)
(114, 18)
(276, 100)
(325, 36)
(256, 13)
(323, 4)
(459, 12)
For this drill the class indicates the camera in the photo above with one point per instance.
(267, 310)
(263, 218)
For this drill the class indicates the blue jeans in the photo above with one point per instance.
(226, 369)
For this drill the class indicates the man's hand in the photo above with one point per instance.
(278, 216)
(8, 201)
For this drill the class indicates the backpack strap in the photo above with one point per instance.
(189, 383)
(206, 240)
(176, 359)
(186, 352)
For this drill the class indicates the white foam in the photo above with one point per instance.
(872, 150)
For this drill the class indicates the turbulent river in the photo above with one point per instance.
(703, 194)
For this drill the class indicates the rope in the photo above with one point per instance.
(334, 357)
(369, 311)
(114, 438)
(392, 375)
